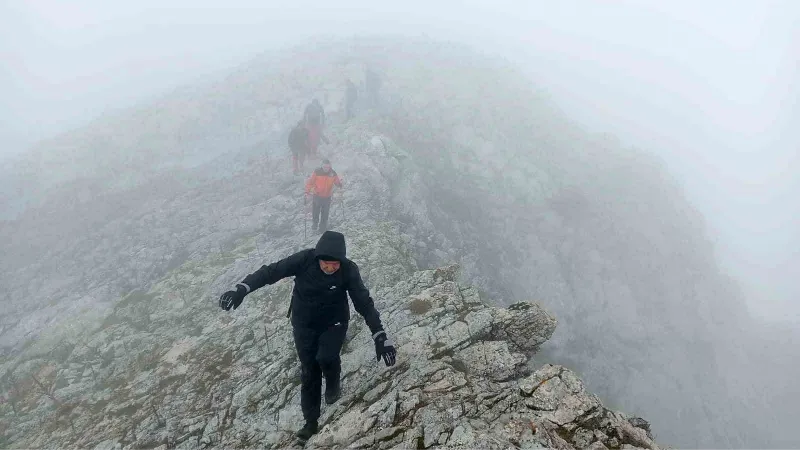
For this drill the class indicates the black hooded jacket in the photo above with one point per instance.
(298, 140)
(320, 300)
(314, 114)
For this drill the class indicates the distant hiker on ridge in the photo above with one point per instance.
(320, 313)
(320, 184)
(372, 84)
(351, 95)
(298, 144)
(314, 117)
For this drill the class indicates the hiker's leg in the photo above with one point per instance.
(306, 342)
(325, 207)
(330, 348)
(316, 205)
(313, 138)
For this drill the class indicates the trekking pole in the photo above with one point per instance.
(305, 218)
(341, 201)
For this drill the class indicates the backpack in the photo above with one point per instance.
(314, 112)
(297, 138)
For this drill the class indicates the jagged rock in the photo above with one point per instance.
(492, 360)
(525, 325)
(596, 445)
(106, 445)
(168, 367)
(638, 422)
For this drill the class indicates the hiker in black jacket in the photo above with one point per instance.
(298, 144)
(314, 117)
(319, 313)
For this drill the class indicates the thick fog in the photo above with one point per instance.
(456, 158)
(711, 87)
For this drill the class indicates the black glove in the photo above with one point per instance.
(233, 298)
(384, 348)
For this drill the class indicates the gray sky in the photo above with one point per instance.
(711, 86)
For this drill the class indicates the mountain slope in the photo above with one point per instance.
(166, 367)
(466, 163)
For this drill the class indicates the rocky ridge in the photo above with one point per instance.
(163, 366)
(461, 381)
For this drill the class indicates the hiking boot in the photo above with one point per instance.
(333, 391)
(307, 431)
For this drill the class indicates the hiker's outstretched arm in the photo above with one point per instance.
(362, 301)
(271, 274)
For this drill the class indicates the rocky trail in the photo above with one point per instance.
(164, 367)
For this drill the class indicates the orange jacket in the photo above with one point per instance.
(321, 183)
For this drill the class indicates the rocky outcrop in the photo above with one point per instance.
(461, 381)
(164, 367)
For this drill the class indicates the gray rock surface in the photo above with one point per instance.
(144, 380)
(166, 367)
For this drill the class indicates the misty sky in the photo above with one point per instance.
(710, 86)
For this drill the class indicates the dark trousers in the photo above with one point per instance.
(318, 351)
(314, 136)
(298, 157)
(321, 207)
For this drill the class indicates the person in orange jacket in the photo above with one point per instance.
(320, 185)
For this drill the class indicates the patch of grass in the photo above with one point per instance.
(232, 242)
(222, 261)
(246, 250)
(98, 407)
(126, 411)
(460, 366)
(177, 260)
(135, 297)
(564, 434)
(419, 307)
(169, 380)
(111, 319)
(520, 306)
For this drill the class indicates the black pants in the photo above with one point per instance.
(321, 207)
(318, 351)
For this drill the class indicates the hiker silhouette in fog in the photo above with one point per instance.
(298, 144)
(320, 184)
(372, 83)
(314, 117)
(319, 314)
(351, 95)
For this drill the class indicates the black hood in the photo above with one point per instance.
(331, 244)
